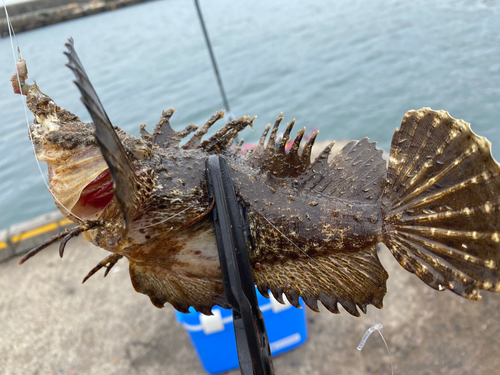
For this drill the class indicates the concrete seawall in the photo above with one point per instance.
(34, 14)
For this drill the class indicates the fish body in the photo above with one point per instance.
(312, 226)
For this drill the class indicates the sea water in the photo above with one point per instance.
(350, 68)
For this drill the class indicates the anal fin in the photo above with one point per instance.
(353, 280)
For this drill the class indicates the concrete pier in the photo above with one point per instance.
(51, 324)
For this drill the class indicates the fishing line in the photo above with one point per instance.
(376, 327)
(168, 218)
(230, 115)
(369, 331)
(383, 339)
(23, 99)
(289, 240)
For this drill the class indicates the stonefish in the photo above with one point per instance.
(312, 225)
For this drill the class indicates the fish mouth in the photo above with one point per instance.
(80, 179)
(95, 197)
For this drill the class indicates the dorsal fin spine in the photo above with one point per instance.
(263, 137)
(294, 150)
(195, 140)
(306, 154)
(286, 135)
(272, 138)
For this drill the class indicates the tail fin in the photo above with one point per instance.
(441, 205)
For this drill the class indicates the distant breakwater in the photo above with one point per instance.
(35, 14)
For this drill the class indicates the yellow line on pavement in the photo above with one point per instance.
(65, 222)
(34, 232)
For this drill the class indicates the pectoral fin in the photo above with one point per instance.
(121, 168)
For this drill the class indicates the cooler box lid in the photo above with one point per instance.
(214, 340)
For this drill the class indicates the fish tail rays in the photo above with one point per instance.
(441, 204)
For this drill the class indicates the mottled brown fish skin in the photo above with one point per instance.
(171, 245)
(312, 225)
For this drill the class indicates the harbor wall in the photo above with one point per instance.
(35, 14)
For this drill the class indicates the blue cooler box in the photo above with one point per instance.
(214, 340)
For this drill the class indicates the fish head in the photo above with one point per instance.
(79, 177)
(144, 198)
(82, 184)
